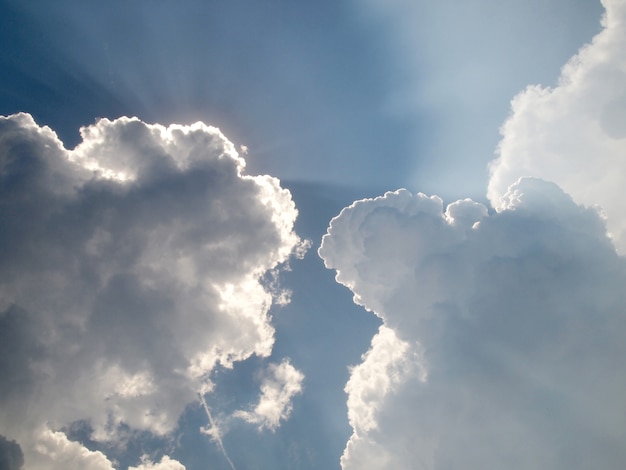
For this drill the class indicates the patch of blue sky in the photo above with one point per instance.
(452, 69)
(300, 86)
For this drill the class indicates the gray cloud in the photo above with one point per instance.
(131, 268)
(502, 342)
(11, 456)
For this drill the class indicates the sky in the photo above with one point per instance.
(326, 235)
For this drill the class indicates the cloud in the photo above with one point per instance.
(166, 463)
(575, 133)
(132, 266)
(502, 343)
(11, 456)
(278, 387)
(502, 333)
(383, 367)
(55, 450)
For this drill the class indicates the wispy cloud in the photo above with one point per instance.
(281, 382)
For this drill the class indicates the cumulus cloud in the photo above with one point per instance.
(502, 343)
(55, 450)
(383, 367)
(166, 463)
(131, 267)
(575, 133)
(502, 337)
(280, 383)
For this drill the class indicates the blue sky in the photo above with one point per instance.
(349, 93)
(144, 267)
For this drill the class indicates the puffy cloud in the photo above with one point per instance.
(502, 333)
(575, 133)
(55, 451)
(382, 369)
(502, 343)
(131, 266)
(278, 387)
(166, 463)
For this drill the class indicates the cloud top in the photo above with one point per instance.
(502, 338)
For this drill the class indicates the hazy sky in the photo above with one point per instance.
(169, 172)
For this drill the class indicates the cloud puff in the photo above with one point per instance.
(502, 343)
(130, 267)
(575, 133)
(278, 387)
(55, 450)
(166, 463)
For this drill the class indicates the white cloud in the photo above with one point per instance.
(575, 133)
(279, 385)
(166, 463)
(383, 368)
(55, 451)
(131, 268)
(506, 329)
(502, 344)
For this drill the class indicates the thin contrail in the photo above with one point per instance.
(216, 434)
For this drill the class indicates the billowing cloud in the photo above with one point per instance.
(281, 382)
(54, 450)
(575, 133)
(503, 334)
(502, 344)
(131, 266)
